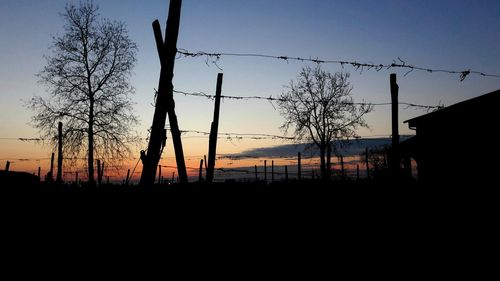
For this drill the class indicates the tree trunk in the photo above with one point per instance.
(90, 162)
(322, 156)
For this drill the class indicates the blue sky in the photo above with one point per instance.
(454, 35)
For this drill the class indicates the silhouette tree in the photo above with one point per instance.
(318, 107)
(87, 76)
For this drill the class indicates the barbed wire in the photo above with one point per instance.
(356, 65)
(271, 99)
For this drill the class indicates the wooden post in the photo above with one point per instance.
(76, 178)
(128, 177)
(107, 180)
(298, 166)
(272, 171)
(200, 175)
(286, 174)
(256, 176)
(265, 171)
(159, 173)
(7, 166)
(328, 162)
(212, 142)
(59, 152)
(173, 177)
(394, 158)
(366, 164)
(39, 170)
(165, 101)
(99, 172)
(51, 172)
(357, 172)
(342, 166)
(102, 172)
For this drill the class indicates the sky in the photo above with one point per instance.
(446, 34)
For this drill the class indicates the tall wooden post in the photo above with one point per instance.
(256, 176)
(102, 172)
(59, 152)
(76, 178)
(7, 166)
(165, 101)
(39, 171)
(357, 172)
(214, 130)
(299, 168)
(394, 158)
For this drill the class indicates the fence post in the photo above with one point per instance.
(342, 167)
(200, 177)
(7, 166)
(366, 163)
(256, 176)
(272, 171)
(59, 152)
(357, 172)
(265, 171)
(394, 155)
(39, 170)
(50, 176)
(159, 174)
(99, 172)
(286, 174)
(214, 129)
(299, 168)
(128, 177)
(76, 178)
(328, 162)
(167, 51)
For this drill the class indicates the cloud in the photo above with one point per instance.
(353, 148)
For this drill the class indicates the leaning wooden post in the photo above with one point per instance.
(200, 176)
(256, 176)
(298, 166)
(214, 130)
(394, 159)
(128, 177)
(59, 152)
(165, 101)
(7, 166)
(51, 172)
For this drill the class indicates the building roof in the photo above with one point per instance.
(480, 103)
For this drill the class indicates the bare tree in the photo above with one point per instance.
(87, 76)
(319, 108)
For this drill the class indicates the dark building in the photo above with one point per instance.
(459, 143)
